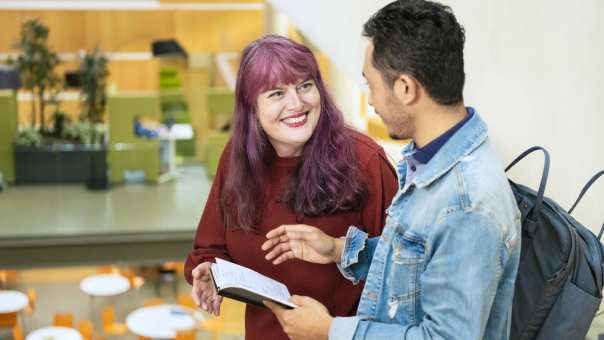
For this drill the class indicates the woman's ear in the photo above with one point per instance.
(406, 88)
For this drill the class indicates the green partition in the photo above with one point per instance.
(8, 130)
(127, 151)
(174, 107)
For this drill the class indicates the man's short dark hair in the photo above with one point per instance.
(423, 39)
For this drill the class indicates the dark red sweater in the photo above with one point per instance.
(322, 282)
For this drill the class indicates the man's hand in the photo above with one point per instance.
(310, 320)
(203, 293)
(303, 242)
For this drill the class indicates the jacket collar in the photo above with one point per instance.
(469, 137)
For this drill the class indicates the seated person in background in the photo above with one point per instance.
(140, 130)
(291, 159)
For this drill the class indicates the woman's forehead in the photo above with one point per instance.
(280, 76)
(288, 83)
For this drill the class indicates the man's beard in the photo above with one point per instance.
(400, 124)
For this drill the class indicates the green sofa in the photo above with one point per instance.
(127, 151)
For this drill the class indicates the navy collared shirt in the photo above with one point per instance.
(425, 154)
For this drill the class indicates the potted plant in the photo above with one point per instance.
(36, 64)
(66, 151)
(93, 80)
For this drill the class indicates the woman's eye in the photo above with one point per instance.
(306, 86)
(275, 94)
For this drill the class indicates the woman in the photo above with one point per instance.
(290, 160)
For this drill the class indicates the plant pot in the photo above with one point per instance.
(61, 163)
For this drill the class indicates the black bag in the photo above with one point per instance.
(560, 277)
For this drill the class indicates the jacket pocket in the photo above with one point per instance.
(408, 253)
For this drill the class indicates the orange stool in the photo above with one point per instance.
(8, 320)
(63, 320)
(86, 328)
(185, 335)
(110, 326)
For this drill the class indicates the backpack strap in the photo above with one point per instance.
(542, 184)
(585, 188)
(583, 191)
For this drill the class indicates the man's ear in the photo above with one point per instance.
(406, 89)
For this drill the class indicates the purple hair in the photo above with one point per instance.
(326, 181)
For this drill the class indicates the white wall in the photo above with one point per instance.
(334, 26)
(535, 72)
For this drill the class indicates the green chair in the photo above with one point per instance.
(216, 141)
(221, 102)
(8, 130)
(168, 78)
(127, 151)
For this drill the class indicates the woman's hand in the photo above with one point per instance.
(303, 242)
(204, 293)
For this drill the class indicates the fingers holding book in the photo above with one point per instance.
(203, 292)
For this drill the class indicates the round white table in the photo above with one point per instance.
(162, 321)
(54, 333)
(104, 285)
(12, 301)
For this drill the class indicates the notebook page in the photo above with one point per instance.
(232, 274)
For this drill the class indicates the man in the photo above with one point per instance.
(445, 264)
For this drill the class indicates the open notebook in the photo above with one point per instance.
(243, 284)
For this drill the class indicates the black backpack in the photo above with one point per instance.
(559, 284)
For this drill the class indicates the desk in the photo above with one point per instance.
(54, 333)
(12, 301)
(162, 321)
(170, 135)
(104, 285)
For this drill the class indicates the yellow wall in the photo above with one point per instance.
(123, 31)
(133, 31)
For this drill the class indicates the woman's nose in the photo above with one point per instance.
(294, 102)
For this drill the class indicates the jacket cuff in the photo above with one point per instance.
(354, 244)
(343, 328)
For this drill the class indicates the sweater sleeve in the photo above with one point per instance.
(210, 237)
(382, 185)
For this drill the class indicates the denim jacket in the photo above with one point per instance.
(445, 264)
